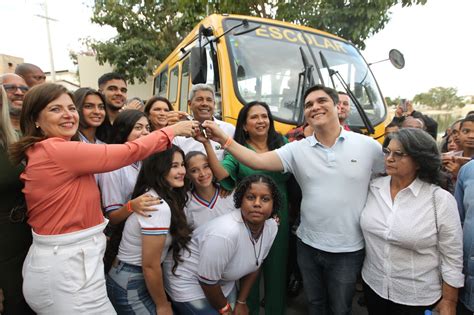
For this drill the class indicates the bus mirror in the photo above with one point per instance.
(198, 65)
(396, 58)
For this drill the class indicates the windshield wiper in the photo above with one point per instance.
(358, 106)
(305, 80)
(315, 63)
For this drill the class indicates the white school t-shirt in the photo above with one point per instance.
(116, 187)
(200, 211)
(130, 249)
(220, 252)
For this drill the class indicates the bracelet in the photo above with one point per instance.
(227, 143)
(129, 206)
(225, 309)
(241, 302)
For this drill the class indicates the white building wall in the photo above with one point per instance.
(90, 70)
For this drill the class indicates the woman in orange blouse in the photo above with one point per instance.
(63, 271)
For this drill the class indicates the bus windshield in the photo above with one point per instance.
(267, 64)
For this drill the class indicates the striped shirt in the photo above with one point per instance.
(117, 186)
(199, 211)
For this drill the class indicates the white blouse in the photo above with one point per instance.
(403, 248)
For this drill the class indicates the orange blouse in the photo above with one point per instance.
(60, 190)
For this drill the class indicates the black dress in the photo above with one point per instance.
(15, 237)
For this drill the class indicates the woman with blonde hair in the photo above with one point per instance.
(63, 271)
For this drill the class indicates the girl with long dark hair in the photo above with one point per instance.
(117, 186)
(92, 115)
(135, 282)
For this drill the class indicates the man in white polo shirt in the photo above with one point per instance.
(201, 103)
(333, 168)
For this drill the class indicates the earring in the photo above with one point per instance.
(37, 126)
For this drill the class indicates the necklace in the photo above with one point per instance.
(254, 241)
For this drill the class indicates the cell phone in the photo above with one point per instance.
(403, 104)
(201, 128)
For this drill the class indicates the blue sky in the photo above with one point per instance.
(436, 40)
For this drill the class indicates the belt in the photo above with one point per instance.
(123, 265)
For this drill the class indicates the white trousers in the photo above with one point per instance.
(64, 274)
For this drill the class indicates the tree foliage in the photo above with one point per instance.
(148, 30)
(392, 102)
(440, 97)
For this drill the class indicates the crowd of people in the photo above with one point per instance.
(117, 206)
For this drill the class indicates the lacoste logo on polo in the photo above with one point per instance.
(217, 147)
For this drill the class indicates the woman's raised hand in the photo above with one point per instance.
(214, 132)
(187, 128)
(175, 116)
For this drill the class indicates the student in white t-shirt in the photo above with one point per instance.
(116, 187)
(205, 200)
(135, 282)
(226, 249)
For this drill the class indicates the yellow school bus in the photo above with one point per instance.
(249, 58)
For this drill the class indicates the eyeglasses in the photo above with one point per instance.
(396, 155)
(13, 88)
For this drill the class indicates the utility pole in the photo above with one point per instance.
(50, 47)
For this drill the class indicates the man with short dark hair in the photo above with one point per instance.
(343, 109)
(114, 88)
(15, 88)
(32, 74)
(333, 168)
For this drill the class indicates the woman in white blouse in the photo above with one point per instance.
(412, 232)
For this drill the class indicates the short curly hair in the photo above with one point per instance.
(245, 184)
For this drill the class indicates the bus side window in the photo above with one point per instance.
(173, 86)
(183, 102)
(163, 83)
(156, 85)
